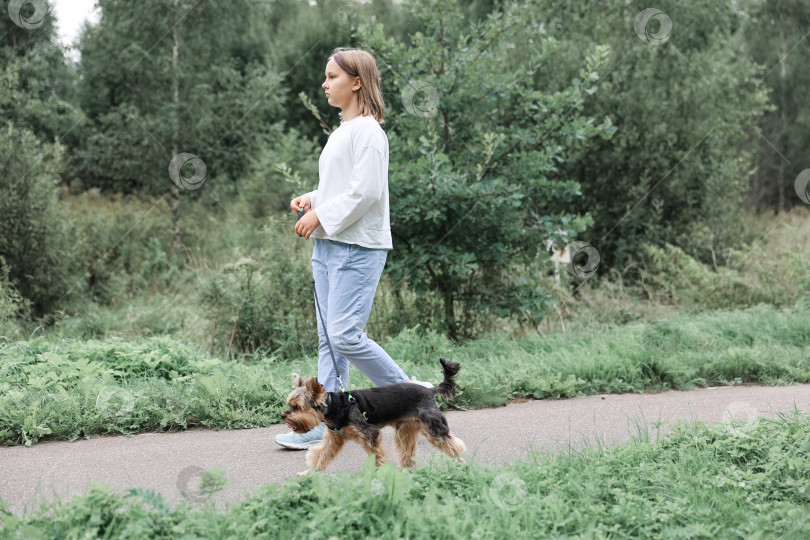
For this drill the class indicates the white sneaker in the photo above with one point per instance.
(422, 383)
(301, 441)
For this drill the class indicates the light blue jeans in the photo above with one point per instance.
(346, 278)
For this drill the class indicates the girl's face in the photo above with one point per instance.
(340, 88)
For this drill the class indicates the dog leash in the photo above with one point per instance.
(332, 354)
(326, 334)
(301, 213)
(343, 388)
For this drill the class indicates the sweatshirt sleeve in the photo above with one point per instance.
(313, 195)
(366, 184)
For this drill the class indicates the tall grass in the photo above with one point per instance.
(771, 267)
(75, 388)
(241, 285)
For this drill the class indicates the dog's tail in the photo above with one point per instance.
(448, 387)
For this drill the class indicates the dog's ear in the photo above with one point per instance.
(315, 388)
(297, 380)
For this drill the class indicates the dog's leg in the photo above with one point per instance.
(452, 446)
(319, 457)
(371, 440)
(406, 435)
(435, 428)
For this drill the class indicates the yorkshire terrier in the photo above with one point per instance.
(360, 415)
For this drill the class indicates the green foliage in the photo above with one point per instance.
(119, 245)
(695, 481)
(419, 345)
(34, 239)
(769, 269)
(157, 267)
(775, 36)
(152, 498)
(677, 169)
(36, 91)
(672, 276)
(69, 389)
(211, 482)
(12, 304)
(263, 302)
(270, 185)
(472, 198)
(228, 103)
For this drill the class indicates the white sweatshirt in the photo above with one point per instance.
(352, 196)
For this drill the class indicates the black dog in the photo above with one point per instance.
(359, 415)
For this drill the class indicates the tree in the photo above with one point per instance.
(776, 37)
(35, 117)
(475, 150)
(685, 97)
(36, 75)
(33, 238)
(159, 87)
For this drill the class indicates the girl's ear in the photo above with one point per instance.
(297, 380)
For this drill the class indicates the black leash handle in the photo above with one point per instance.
(325, 333)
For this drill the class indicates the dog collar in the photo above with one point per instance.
(329, 404)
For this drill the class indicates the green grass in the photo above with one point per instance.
(698, 481)
(72, 388)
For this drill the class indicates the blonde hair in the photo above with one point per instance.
(359, 63)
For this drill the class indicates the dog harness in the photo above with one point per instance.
(352, 403)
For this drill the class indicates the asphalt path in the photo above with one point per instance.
(171, 463)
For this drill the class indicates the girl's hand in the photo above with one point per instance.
(298, 202)
(307, 224)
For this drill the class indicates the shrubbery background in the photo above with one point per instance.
(554, 123)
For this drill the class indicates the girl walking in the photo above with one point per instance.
(348, 218)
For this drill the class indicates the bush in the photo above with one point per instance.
(33, 239)
(263, 302)
(269, 185)
(677, 169)
(671, 276)
(12, 305)
(120, 246)
(475, 185)
(773, 270)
